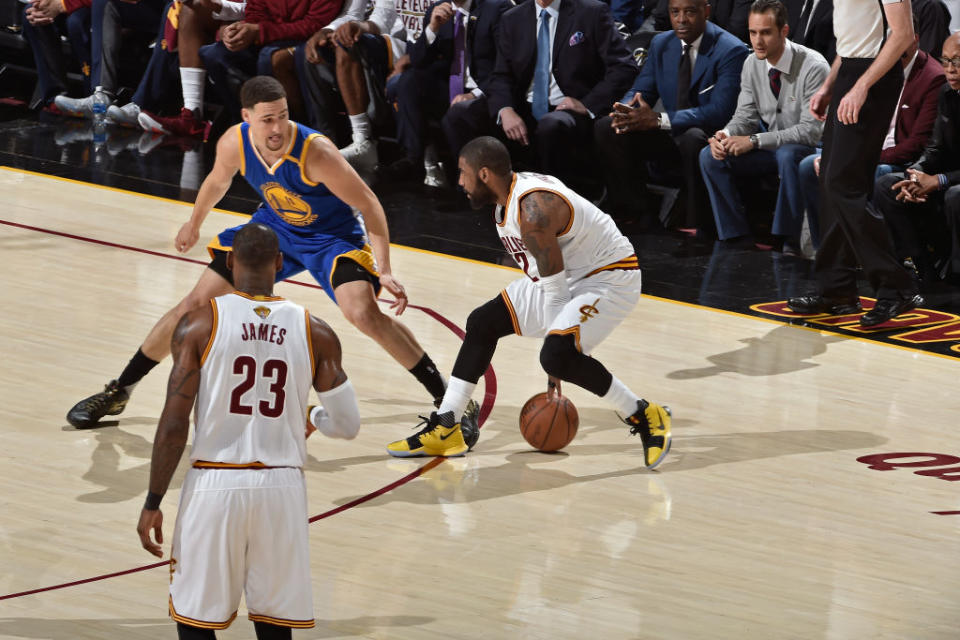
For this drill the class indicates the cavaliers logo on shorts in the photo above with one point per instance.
(292, 208)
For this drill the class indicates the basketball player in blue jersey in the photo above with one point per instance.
(328, 222)
(581, 280)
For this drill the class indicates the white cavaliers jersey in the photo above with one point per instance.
(255, 377)
(590, 243)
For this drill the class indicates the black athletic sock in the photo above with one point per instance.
(267, 631)
(186, 632)
(139, 366)
(426, 373)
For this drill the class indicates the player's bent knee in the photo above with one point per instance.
(367, 318)
(559, 356)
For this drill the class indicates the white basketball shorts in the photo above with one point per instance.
(241, 531)
(597, 305)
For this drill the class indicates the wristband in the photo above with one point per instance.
(152, 503)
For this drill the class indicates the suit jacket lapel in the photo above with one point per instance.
(472, 21)
(564, 27)
(528, 40)
(703, 57)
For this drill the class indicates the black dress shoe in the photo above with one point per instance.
(820, 304)
(404, 170)
(888, 309)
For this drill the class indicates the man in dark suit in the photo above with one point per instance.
(450, 63)
(922, 203)
(560, 64)
(695, 71)
(811, 24)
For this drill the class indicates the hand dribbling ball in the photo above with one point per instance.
(548, 421)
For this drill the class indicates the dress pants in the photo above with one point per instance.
(107, 19)
(915, 225)
(728, 209)
(854, 231)
(44, 40)
(162, 73)
(221, 64)
(559, 141)
(623, 158)
(422, 95)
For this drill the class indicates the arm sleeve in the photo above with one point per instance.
(230, 11)
(318, 13)
(746, 119)
(352, 12)
(384, 15)
(620, 70)
(339, 415)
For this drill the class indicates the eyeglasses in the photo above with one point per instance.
(954, 62)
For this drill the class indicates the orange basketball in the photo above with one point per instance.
(548, 421)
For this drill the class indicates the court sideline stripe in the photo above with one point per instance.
(489, 377)
(230, 213)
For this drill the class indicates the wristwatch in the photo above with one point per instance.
(659, 120)
(755, 141)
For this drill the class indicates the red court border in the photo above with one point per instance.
(489, 398)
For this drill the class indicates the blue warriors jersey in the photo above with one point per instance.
(315, 229)
(308, 208)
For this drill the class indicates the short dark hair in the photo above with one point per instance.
(487, 151)
(777, 7)
(260, 89)
(255, 245)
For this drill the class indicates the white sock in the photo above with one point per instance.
(362, 129)
(190, 174)
(193, 81)
(621, 398)
(456, 397)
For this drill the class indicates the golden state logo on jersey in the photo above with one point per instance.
(288, 205)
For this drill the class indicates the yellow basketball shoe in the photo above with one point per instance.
(441, 437)
(652, 423)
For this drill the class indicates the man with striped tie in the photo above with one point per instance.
(771, 131)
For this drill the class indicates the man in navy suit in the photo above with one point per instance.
(560, 64)
(450, 63)
(695, 71)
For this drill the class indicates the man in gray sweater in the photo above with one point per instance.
(771, 131)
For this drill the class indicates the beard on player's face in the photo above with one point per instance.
(481, 195)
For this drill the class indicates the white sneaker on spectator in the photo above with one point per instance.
(125, 116)
(362, 155)
(77, 107)
(435, 176)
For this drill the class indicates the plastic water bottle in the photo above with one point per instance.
(100, 104)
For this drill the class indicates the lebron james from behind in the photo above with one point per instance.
(247, 359)
(581, 280)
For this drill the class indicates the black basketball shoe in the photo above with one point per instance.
(652, 423)
(469, 425)
(109, 402)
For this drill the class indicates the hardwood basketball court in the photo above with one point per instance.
(762, 523)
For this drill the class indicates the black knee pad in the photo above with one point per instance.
(559, 355)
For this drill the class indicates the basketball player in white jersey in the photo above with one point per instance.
(248, 360)
(581, 280)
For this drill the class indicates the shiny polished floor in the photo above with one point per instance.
(807, 494)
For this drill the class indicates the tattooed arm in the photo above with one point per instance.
(188, 340)
(543, 215)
